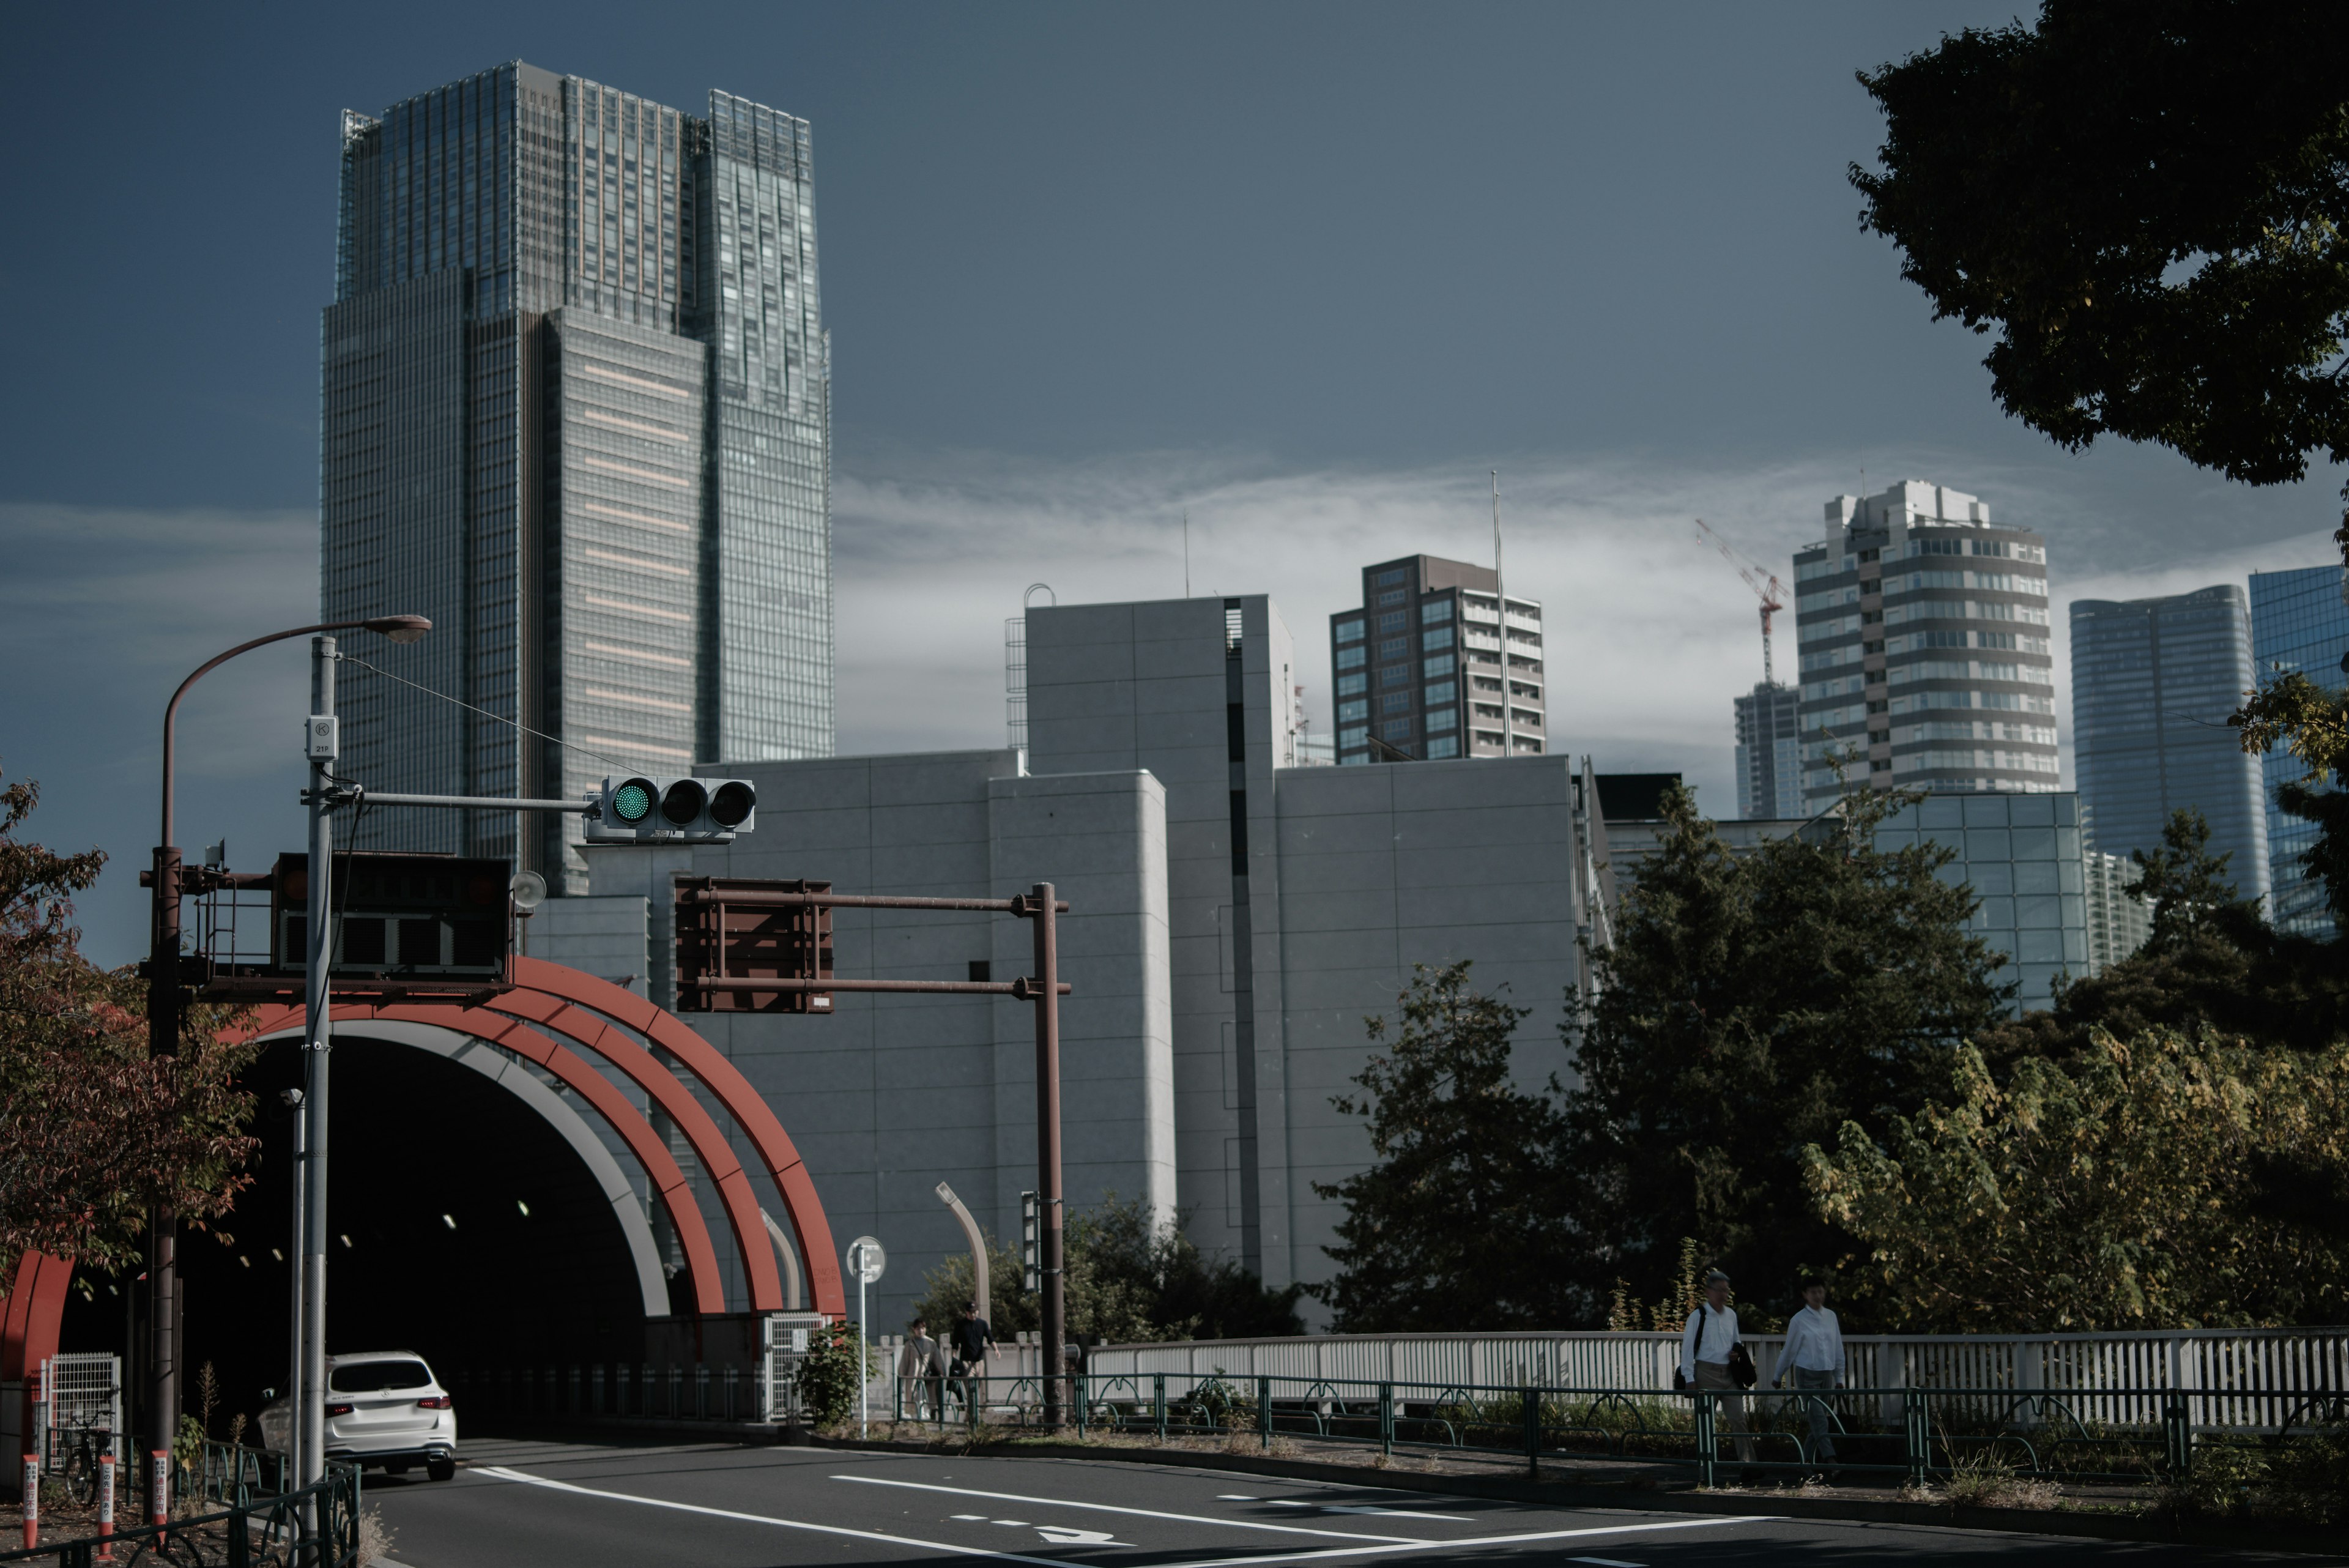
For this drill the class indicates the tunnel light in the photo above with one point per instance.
(448, 1222)
(523, 1206)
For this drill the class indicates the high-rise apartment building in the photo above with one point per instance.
(1923, 637)
(2152, 683)
(1419, 667)
(1769, 752)
(2299, 622)
(577, 410)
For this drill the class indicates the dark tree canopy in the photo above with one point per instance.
(1753, 1004)
(2146, 201)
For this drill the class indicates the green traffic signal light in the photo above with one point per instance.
(633, 801)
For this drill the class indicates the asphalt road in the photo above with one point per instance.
(523, 1504)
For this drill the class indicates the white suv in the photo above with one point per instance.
(383, 1409)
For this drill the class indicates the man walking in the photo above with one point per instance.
(920, 1383)
(1706, 1342)
(1814, 1353)
(972, 1340)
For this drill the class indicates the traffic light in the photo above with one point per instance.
(690, 810)
(1031, 1243)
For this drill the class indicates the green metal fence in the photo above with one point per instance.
(1892, 1435)
(260, 1522)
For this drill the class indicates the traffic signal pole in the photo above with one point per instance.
(1043, 908)
(322, 742)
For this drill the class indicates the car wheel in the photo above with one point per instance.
(440, 1469)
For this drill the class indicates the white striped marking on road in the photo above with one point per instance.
(1253, 1560)
(1595, 1561)
(1356, 1507)
(1140, 1512)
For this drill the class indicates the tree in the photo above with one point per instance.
(2125, 1193)
(2187, 886)
(2312, 723)
(1455, 1224)
(1750, 1005)
(94, 1133)
(2147, 203)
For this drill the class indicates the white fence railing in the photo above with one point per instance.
(2232, 1377)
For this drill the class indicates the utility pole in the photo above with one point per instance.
(322, 742)
(1042, 901)
(1501, 602)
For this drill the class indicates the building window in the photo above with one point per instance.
(1395, 675)
(1435, 610)
(1358, 735)
(1443, 746)
(1350, 657)
(1388, 577)
(1395, 702)
(1349, 685)
(1352, 759)
(1439, 637)
(1349, 712)
(1350, 631)
(1444, 719)
(1443, 695)
(1394, 648)
(1394, 620)
(1395, 730)
(1394, 596)
(1435, 669)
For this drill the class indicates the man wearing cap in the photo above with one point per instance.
(1705, 1343)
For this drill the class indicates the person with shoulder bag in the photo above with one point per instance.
(1710, 1352)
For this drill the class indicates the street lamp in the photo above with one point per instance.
(164, 1001)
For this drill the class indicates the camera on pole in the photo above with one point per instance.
(682, 810)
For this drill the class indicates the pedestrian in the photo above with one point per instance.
(972, 1340)
(1707, 1344)
(921, 1368)
(1814, 1354)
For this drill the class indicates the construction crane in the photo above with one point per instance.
(1762, 580)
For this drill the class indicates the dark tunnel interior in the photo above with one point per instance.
(463, 1227)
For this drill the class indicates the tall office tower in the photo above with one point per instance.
(577, 410)
(1419, 667)
(2117, 924)
(1924, 639)
(2300, 621)
(1769, 753)
(2152, 683)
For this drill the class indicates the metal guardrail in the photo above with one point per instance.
(1904, 1435)
(2233, 1379)
(260, 1523)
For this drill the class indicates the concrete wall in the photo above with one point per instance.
(890, 1094)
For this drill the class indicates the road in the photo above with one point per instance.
(526, 1504)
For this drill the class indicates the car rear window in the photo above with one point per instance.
(368, 1377)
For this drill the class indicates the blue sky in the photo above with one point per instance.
(1305, 271)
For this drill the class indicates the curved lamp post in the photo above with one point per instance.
(164, 1001)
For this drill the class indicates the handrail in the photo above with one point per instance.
(316, 1526)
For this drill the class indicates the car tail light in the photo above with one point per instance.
(435, 1402)
(338, 1409)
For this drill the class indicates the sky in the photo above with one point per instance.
(1308, 274)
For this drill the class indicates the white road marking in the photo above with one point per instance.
(1599, 1562)
(979, 1517)
(1353, 1508)
(1014, 1523)
(1236, 1497)
(1253, 1560)
(501, 1473)
(1140, 1512)
(1249, 1561)
(1062, 1535)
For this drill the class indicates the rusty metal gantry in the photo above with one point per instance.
(729, 926)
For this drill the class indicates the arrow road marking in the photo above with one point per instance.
(1062, 1535)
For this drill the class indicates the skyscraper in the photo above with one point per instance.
(2152, 683)
(1431, 632)
(2300, 621)
(1769, 752)
(577, 410)
(1924, 644)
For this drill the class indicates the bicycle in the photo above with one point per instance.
(74, 1453)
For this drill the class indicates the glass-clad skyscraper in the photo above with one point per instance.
(1923, 637)
(576, 401)
(2299, 622)
(1769, 752)
(2152, 683)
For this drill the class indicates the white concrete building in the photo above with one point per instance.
(1233, 923)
